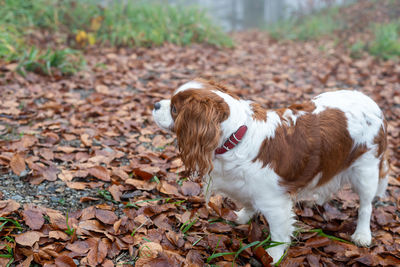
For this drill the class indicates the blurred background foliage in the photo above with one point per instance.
(48, 36)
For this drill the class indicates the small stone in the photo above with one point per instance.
(41, 187)
(17, 198)
(51, 189)
(54, 199)
(131, 194)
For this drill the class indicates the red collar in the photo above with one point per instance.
(232, 141)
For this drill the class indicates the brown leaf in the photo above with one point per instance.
(103, 89)
(190, 188)
(318, 241)
(64, 261)
(26, 263)
(17, 164)
(366, 259)
(4, 261)
(194, 258)
(46, 153)
(78, 246)
(28, 238)
(87, 199)
(145, 175)
(57, 220)
(85, 138)
(120, 173)
(262, 255)
(219, 227)
(299, 251)
(58, 235)
(382, 217)
(8, 206)
(314, 260)
(142, 185)
(50, 174)
(100, 172)
(160, 141)
(77, 185)
(169, 189)
(149, 250)
(150, 210)
(115, 192)
(293, 261)
(91, 225)
(255, 233)
(101, 251)
(97, 253)
(390, 261)
(33, 217)
(107, 263)
(332, 213)
(106, 216)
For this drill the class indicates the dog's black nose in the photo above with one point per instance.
(157, 105)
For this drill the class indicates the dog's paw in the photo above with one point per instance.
(276, 253)
(362, 239)
(243, 216)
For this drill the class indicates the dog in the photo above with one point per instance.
(268, 159)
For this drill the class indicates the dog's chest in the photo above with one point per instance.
(231, 180)
(243, 182)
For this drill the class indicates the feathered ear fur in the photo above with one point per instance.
(197, 127)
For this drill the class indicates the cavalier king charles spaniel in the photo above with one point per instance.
(267, 159)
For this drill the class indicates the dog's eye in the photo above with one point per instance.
(173, 109)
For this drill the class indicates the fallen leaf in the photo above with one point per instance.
(219, 227)
(142, 185)
(100, 172)
(317, 241)
(59, 235)
(150, 250)
(97, 253)
(28, 238)
(57, 220)
(169, 189)
(106, 216)
(190, 188)
(33, 216)
(85, 138)
(17, 164)
(8, 206)
(78, 246)
(64, 261)
(115, 192)
(143, 174)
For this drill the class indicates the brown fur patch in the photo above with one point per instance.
(259, 113)
(381, 141)
(318, 143)
(307, 107)
(198, 114)
(214, 85)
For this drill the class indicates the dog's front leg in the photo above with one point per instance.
(279, 214)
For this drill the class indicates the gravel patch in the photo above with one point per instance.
(55, 195)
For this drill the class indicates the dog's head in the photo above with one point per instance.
(195, 113)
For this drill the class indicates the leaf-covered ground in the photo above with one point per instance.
(75, 151)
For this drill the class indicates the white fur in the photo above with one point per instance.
(257, 188)
(189, 85)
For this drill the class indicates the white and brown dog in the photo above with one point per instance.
(265, 159)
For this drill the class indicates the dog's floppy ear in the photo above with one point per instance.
(197, 127)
